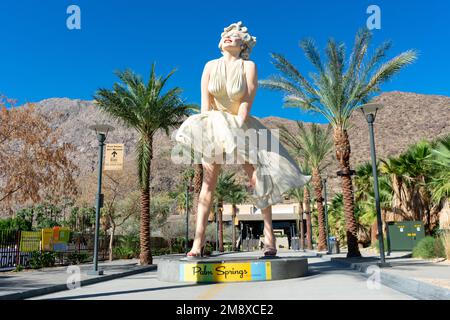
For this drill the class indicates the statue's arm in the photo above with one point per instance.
(205, 95)
(251, 73)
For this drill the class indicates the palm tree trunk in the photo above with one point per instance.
(374, 233)
(342, 145)
(220, 222)
(317, 183)
(233, 227)
(307, 203)
(146, 254)
(302, 231)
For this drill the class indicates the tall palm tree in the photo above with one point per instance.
(144, 107)
(236, 195)
(334, 93)
(313, 145)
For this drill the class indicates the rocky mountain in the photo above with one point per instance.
(405, 119)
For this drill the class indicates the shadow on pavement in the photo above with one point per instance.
(105, 294)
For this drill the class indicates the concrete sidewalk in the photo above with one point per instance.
(422, 279)
(32, 283)
(418, 278)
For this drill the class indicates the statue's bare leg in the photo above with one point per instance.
(210, 173)
(269, 238)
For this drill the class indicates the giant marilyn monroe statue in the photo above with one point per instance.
(228, 87)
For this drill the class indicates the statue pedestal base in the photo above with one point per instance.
(230, 269)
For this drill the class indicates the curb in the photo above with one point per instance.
(63, 287)
(412, 287)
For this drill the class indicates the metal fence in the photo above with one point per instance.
(15, 252)
(17, 247)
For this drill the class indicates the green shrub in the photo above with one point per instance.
(77, 258)
(42, 259)
(125, 252)
(18, 224)
(429, 248)
(18, 268)
(161, 251)
(445, 236)
(209, 248)
(128, 247)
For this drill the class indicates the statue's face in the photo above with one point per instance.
(231, 39)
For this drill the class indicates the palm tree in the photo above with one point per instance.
(411, 174)
(226, 184)
(313, 145)
(334, 93)
(180, 193)
(440, 184)
(306, 169)
(144, 107)
(365, 196)
(237, 195)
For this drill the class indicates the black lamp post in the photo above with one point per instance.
(324, 182)
(101, 131)
(370, 111)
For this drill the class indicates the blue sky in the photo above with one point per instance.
(41, 58)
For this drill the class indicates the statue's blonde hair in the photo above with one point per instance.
(248, 41)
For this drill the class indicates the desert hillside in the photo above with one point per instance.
(406, 119)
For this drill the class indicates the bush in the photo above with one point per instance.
(18, 224)
(161, 251)
(128, 247)
(18, 268)
(429, 248)
(124, 252)
(42, 259)
(445, 236)
(77, 258)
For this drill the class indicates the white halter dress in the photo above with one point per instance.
(219, 130)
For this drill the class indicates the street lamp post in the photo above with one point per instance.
(324, 181)
(370, 111)
(101, 132)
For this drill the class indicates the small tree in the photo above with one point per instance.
(34, 164)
